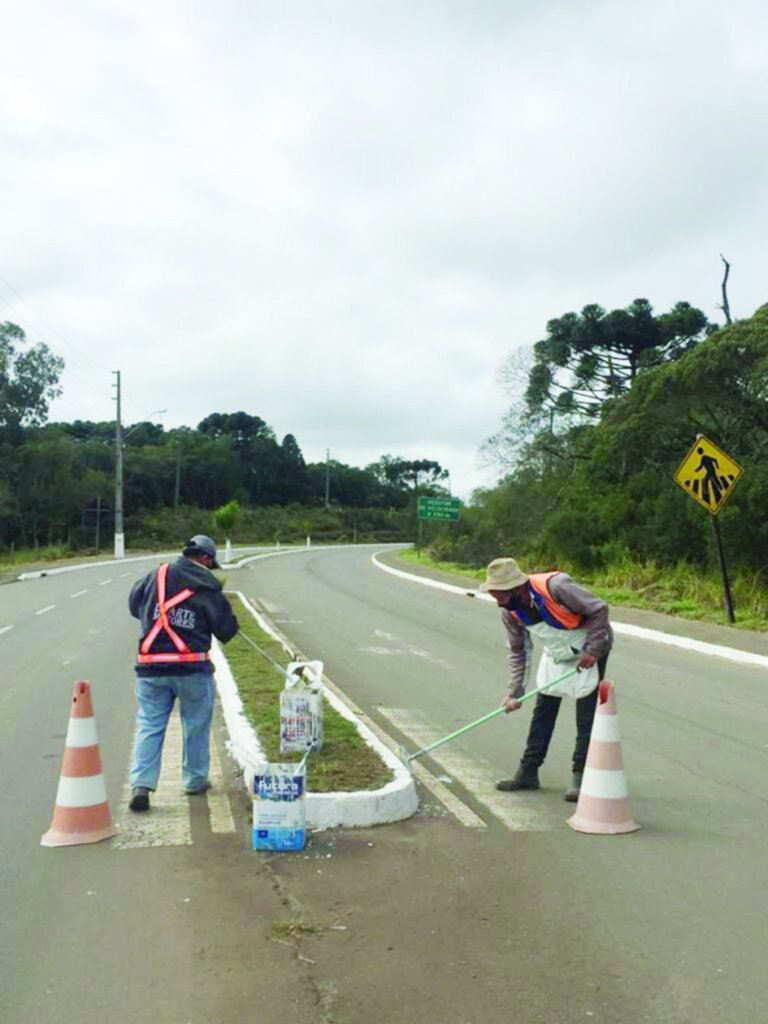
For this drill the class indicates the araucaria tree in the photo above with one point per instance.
(594, 355)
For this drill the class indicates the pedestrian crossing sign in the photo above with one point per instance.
(708, 474)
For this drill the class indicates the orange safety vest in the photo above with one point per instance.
(552, 613)
(162, 625)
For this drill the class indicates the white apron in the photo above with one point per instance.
(562, 650)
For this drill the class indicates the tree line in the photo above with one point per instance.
(602, 412)
(57, 480)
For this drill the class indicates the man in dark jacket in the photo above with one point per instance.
(180, 606)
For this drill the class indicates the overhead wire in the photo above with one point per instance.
(73, 366)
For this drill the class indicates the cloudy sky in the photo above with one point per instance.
(342, 215)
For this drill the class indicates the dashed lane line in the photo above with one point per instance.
(4, 629)
(477, 776)
(104, 583)
(168, 822)
(44, 610)
(123, 575)
(78, 594)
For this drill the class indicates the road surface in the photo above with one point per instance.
(430, 920)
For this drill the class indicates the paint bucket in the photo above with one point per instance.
(279, 814)
(301, 708)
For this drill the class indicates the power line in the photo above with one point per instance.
(69, 369)
(68, 359)
(53, 329)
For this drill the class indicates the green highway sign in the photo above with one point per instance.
(439, 508)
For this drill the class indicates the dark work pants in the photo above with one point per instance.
(543, 725)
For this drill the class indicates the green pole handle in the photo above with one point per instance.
(490, 715)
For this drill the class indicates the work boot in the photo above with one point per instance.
(572, 793)
(140, 801)
(524, 778)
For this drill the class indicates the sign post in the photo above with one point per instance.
(708, 475)
(436, 508)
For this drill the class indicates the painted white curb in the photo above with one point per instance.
(393, 802)
(641, 632)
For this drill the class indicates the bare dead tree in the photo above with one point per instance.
(724, 288)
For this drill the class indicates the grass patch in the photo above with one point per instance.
(680, 590)
(346, 762)
(471, 573)
(292, 928)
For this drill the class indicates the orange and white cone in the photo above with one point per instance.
(81, 814)
(603, 807)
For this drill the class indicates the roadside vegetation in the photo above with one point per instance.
(346, 762)
(681, 590)
(601, 417)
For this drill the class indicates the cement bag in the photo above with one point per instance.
(279, 815)
(301, 708)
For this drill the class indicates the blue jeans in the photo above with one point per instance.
(156, 696)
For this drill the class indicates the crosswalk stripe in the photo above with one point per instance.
(168, 822)
(477, 776)
(219, 807)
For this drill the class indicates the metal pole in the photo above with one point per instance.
(723, 570)
(98, 524)
(119, 532)
(418, 543)
(327, 478)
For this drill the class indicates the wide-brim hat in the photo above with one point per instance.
(503, 574)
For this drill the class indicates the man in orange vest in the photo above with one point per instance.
(180, 606)
(572, 624)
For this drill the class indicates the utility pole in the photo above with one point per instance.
(177, 488)
(119, 533)
(327, 478)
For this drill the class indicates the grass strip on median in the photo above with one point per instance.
(345, 763)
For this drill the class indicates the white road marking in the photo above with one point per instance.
(4, 629)
(78, 594)
(219, 808)
(123, 575)
(474, 774)
(104, 583)
(44, 610)
(167, 823)
(268, 606)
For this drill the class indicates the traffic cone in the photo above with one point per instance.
(603, 807)
(81, 814)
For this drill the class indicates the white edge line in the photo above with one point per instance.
(640, 632)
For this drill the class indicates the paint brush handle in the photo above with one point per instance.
(490, 715)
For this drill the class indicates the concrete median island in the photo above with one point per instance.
(355, 780)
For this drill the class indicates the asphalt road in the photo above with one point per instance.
(424, 921)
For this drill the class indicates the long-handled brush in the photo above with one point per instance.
(406, 758)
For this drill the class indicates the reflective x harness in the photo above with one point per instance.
(163, 625)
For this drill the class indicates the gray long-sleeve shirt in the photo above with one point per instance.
(574, 597)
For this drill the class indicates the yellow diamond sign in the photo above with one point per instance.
(708, 474)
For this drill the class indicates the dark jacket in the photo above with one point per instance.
(206, 612)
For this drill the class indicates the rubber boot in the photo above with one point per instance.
(572, 793)
(524, 778)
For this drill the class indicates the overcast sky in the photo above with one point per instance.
(342, 215)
